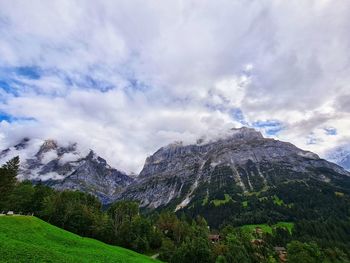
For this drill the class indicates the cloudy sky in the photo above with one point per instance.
(126, 77)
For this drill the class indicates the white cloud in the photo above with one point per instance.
(26, 153)
(126, 77)
(69, 157)
(49, 156)
(48, 176)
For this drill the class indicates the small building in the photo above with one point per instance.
(282, 253)
(257, 242)
(258, 230)
(280, 249)
(214, 238)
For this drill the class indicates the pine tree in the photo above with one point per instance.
(8, 173)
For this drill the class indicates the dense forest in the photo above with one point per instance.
(320, 233)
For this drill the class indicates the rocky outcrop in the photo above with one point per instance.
(92, 174)
(177, 174)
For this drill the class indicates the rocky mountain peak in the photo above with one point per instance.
(245, 133)
(174, 145)
(47, 146)
(244, 160)
(64, 166)
(177, 151)
(92, 156)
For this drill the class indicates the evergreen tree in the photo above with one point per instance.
(122, 213)
(8, 173)
(21, 197)
(304, 252)
(237, 251)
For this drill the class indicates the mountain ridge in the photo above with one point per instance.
(248, 160)
(177, 174)
(65, 167)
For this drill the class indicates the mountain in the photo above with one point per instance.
(242, 176)
(340, 156)
(205, 177)
(65, 167)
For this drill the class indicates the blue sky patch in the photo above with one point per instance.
(271, 127)
(238, 115)
(5, 86)
(313, 140)
(10, 77)
(28, 72)
(93, 83)
(5, 117)
(9, 118)
(330, 131)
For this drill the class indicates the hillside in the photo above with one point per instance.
(242, 178)
(29, 239)
(265, 228)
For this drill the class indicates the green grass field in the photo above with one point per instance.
(29, 239)
(266, 228)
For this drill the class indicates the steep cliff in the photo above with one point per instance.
(180, 175)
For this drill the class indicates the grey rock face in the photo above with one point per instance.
(64, 167)
(92, 174)
(177, 173)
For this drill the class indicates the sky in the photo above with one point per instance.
(127, 77)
